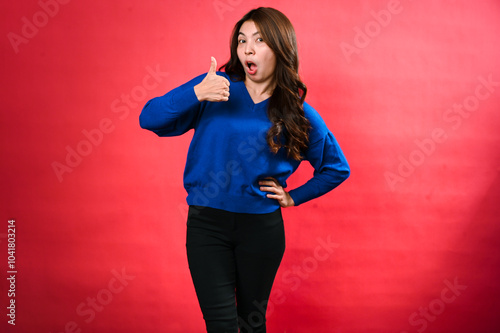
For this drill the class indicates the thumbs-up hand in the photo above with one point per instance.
(213, 88)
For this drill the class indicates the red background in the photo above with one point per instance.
(419, 214)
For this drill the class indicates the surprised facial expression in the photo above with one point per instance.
(257, 58)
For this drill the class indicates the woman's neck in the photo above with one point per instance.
(259, 91)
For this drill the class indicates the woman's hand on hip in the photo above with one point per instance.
(213, 88)
(277, 192)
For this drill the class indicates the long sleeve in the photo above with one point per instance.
(173, 113)
(327, 159)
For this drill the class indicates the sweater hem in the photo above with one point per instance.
(232, 203)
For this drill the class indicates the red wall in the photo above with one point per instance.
(411, 90)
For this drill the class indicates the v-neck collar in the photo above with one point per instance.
(249, 98)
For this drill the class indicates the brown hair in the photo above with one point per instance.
(290, 128)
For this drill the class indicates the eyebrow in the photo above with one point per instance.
(255, 33)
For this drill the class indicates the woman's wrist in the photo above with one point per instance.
(198, 92)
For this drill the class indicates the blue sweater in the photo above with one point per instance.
(229, 154)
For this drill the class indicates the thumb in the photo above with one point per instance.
(213, 66)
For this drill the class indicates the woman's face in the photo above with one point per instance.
(258, 60)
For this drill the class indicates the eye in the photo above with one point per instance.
(241, 41)
(260, 39)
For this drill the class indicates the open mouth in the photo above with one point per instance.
(251, 67)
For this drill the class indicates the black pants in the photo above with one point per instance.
(233, 259)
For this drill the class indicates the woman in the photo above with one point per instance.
(252, 130)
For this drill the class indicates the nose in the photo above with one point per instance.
(249, 48)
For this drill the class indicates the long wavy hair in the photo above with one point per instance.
(290, 128)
